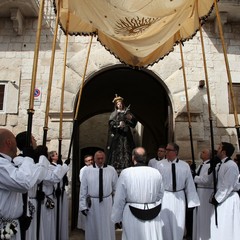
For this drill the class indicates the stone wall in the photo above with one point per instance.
(16, 60)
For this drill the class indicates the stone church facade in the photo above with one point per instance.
(18, 27)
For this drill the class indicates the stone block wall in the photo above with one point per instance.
(16, 60)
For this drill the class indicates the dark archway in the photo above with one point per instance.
(149, 101)
(140, 88)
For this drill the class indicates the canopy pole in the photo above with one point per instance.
(228, 71)
(58, 191)
(75, 122)
(30, 110)
(45, 128)
(34, 71)
(210, 117)
(79, 97)
(188, 109)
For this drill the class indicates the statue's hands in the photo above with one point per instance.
(128, 116)
(122, 124)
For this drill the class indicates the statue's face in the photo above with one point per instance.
(119, 105)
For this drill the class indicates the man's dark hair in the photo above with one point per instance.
(161, 146)
(21, 140)
(228, 148)
(139, 156)
(87, 155)
(175, 147)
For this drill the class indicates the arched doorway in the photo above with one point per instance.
(149, 102)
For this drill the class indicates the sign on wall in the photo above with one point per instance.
(37, 96)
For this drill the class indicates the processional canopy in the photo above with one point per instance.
(138, 33)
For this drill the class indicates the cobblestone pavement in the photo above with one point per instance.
(77, 234)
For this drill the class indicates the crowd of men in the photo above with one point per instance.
(151, 200)
(148, 202)
(33, 201)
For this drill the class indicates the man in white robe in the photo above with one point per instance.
(15, 180)
(141, 187)
(61, 198)
(88, 160)
(95, 206)
(21, 138)
(31, 233)
(161, 152)
(48, 214)
(202, 214)
(226, 198)
(177, 193)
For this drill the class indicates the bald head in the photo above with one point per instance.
(99, 158)
(8, 143)
(139, 155)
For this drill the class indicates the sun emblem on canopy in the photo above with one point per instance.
(133, 26)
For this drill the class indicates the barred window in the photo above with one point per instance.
(2, 90)
(236, 92)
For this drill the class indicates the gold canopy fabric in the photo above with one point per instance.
(138, 32)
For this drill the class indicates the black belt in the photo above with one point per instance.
(205, 187)
(145, 214)
(174, 191)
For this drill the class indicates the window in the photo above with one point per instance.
(236, 92)
(2, 90)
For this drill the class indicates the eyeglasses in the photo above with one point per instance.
(161, 150)
(169, 150)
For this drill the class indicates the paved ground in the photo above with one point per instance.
(79, 235)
